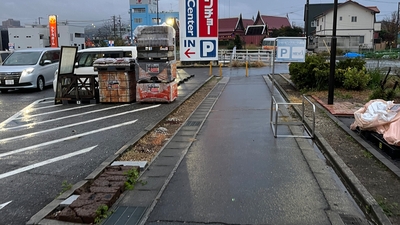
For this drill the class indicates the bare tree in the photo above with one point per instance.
(389, 29)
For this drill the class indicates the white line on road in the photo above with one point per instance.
(5, 122)
(65, 139)
(4, 204)
(65, 117)
(33, 166)
(74, 124)
(57, 111)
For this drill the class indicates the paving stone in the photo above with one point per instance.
(69, 215)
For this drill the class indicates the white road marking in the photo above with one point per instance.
(65, 139)
(45, 107)
(5, 122)
(33, 166)
(65, 117)
(4, 204)
(57, 111)
(74, 124)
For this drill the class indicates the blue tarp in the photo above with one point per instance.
(353, 55)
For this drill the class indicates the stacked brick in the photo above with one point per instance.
(117, 80)
(156, 65)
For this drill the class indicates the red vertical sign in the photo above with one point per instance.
(208, 18)
(53, 31)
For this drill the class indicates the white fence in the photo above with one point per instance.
(226, 56)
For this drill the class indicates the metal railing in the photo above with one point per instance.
(226, 56)
(275, 121)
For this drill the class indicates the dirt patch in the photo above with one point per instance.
(381, 183)
(149, 146)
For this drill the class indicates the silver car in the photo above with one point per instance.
(29, 68)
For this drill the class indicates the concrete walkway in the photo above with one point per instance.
(224, 166)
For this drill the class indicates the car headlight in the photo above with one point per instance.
(27, 71)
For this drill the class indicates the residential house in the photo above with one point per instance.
(356, 27)
(313, 11)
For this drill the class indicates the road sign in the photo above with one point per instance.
(198, 30)
(291, 49)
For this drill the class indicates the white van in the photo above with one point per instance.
(86, 57)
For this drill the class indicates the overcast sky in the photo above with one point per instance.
(86, 12)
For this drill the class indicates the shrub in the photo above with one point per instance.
(343, 65)
(355, 79)
(376, 77)
(310, 74)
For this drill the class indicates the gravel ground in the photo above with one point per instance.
(380, 182)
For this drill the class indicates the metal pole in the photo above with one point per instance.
(158, 21)
(397, 25)
(333, 56)
(307, 23)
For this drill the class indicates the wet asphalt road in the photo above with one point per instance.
(60, 133)
(49, 145)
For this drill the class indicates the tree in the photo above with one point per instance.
(238, 42)
(287, 31)
(389, 30)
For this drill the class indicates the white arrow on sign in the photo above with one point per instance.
(4, 204)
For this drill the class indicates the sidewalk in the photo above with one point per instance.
(224, 166)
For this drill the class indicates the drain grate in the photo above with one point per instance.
(193, 123)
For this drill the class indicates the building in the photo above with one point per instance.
(145, 12)
(271, 22)
(356, 28)
(309, 22)
(252, 32)
(10, 23)
(38, 36)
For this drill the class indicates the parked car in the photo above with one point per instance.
(4, 55)
(29, 68)
(86, 57)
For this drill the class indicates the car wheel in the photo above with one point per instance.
(40, 84)
(4, 90)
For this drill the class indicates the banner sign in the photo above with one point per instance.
(53, 31)
(198, 30)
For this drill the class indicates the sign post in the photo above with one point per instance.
(198, 30)
(290, 49)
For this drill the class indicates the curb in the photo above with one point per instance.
(367, 202)
(39, 216)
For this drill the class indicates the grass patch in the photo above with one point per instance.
(65, 186)
(387, 207)
(368, 155)
(132, 179)
(102, 213)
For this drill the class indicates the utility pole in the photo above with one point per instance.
(307, 22)
(158, 20)
(114, 26)
(333, 56)
(119, 22)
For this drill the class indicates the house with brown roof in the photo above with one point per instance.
(271, 22)
(356, 27)
(251, 31)
(230, 27)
